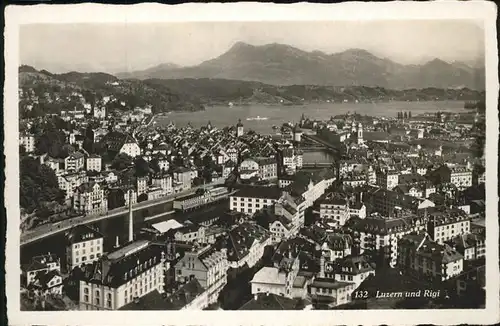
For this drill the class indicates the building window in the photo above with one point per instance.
(97, 301)
(86, 298)
(86, 290)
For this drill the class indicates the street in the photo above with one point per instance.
(45, 230)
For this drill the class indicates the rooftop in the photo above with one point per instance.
(269, 275)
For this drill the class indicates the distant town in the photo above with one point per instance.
(121, 210)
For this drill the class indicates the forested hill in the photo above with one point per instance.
(42, 92)
(223, 91)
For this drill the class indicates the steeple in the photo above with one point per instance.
(239, 128)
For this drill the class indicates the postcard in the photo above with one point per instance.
(275, 164)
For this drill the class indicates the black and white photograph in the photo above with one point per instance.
(237, 165)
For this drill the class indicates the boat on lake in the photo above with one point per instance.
(258, 118)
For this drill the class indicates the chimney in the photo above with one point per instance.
(130, 218)
(117, 242)
(322, 265)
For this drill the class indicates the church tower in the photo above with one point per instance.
(360, 133)
(239, 128)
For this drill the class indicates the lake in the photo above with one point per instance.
(222, 116)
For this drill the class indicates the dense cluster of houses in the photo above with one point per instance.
(329, 229)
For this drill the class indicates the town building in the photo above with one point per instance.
(47, 282)
(94, 163)
(207, 264)
(387, 178)
(446, 223)
(386, 201)
(353, 269)
(84, 246)
(471, 246)
(100, 112)
(164, 181)
(381, 234)
(251, 199)
(326, 292)
(423, 258)
(292, 160)
(74, 162)
(27, 141)
(336, 246)
(39, 264)
(116, 142)
(70, 182)
(277, 280)
(181, 179)
(246, 243)
(459, 176)
(334, 209)
(123, 275)
(90, 199)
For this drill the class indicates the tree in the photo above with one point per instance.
(51, 143)
(409, 114)
(141, 167)
(142, 197)
(154, 165)
(38, 185)
(121, 161)
(405, 116)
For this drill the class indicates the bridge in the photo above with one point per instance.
(317, 165)
(322, 143)
(49, 229)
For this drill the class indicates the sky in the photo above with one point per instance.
(128, 47)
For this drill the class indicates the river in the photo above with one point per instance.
(223, 116)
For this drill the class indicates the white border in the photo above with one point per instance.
(96, 13)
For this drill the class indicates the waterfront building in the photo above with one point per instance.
(251, 199)
(90, 199)
(84, 246)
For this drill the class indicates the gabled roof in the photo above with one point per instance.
(45, 277)
(40, 262)
(355, 264)
(241, 239)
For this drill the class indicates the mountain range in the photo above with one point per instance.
(280, 64)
